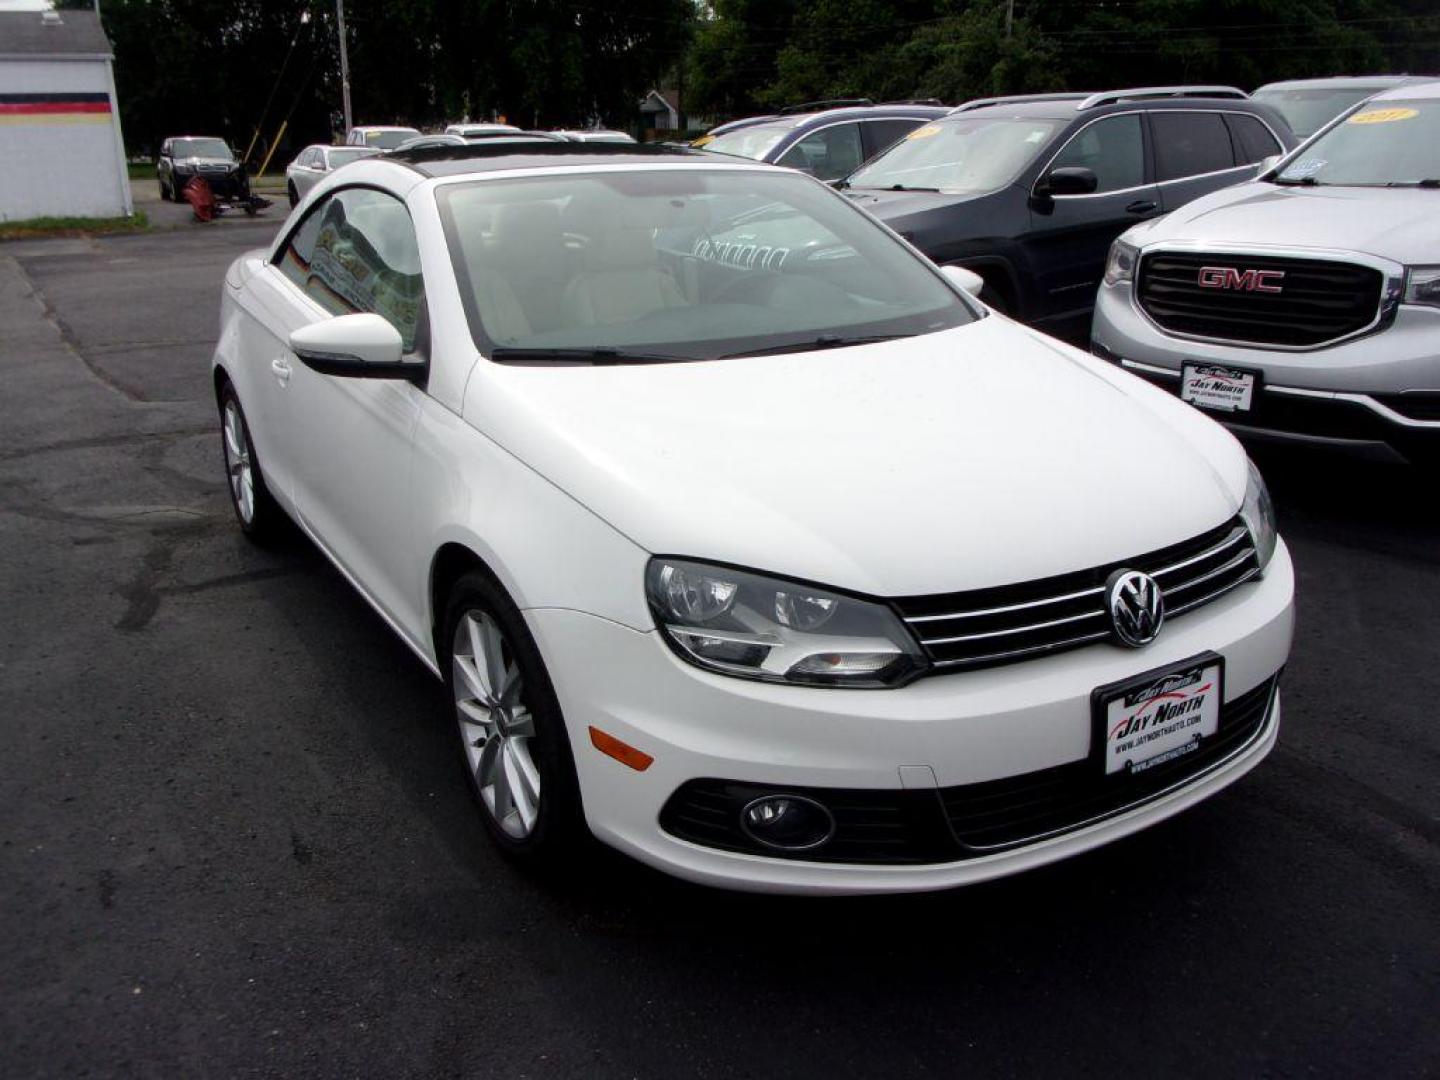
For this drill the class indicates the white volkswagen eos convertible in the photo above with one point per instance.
(745, 538)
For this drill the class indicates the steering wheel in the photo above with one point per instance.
(755, 287)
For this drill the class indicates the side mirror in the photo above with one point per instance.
(1268, 163)
(1068, 180)
(363, 346)
(966, 280)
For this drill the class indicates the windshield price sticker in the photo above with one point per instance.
(1213, 387)
(1383, 116)
(1162, 720)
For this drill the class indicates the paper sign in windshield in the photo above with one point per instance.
(1383, 116)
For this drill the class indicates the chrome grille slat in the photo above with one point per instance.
(1010, 630)
(986, 627)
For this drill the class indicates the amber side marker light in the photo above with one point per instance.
(622, 752)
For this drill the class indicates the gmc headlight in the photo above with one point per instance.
(1259, 514)
(1422, 285)
(759, 627)
(1120, 266)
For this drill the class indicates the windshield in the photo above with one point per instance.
(958, 156)
(211, 148)
(680, 264)
(1382, 143)
(389, 140)
(342, 156)
(1308, 110)
(754, 141)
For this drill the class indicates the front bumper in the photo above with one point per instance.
(1381, 390)
(942, 732)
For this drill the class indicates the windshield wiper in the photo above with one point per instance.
(907, 187)
(824, 341)
(504, 354)
(1428, 182)
(1298, 181)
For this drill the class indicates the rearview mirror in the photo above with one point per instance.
(1068, 180)
(363, 346)
(966, 280)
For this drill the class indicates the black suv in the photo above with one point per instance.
(1028, 192)
(184, 157)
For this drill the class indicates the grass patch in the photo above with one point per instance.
(34, 228)
(141, 170)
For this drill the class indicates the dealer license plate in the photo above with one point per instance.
(1160, 716)
(1211, 386)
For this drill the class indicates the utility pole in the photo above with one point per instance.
(345, 67)
(1009, 18)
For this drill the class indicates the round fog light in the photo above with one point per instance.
(787, 822)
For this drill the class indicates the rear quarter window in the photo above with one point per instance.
(1253, 140)
(1190, 143)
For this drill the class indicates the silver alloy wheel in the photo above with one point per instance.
(238, 464)
(496, 725)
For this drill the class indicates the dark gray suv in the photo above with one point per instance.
(1029, 192)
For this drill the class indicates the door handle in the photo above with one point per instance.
(1140, 206)
(281, 367)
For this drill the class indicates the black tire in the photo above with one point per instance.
(294, 196)
(558, 831)
(165, 195)
(264, 519)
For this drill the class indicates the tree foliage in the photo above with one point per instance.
(230, 67)
(746, 57)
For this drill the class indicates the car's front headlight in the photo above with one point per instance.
(1259, 514)
(1422, 285)
(759, 627)
(1120, 266)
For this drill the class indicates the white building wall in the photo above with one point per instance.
(61, 164)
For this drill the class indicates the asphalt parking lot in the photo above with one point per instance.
(233, 839)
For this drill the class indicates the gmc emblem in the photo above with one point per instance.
(1227, 277)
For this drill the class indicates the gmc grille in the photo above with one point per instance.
(1316, 301)
(960, 631)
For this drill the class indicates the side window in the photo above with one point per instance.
(881, 133)
(1253, 141)
(356, 252)
(1112, 148)
(1190, 143)
(829, 153)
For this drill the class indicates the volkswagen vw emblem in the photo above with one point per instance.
(1136, 607)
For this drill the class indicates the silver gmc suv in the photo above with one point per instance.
(1304, 304)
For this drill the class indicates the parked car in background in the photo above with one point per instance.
(1304, 305)
(601, 135)
(420, 142)
(316, 162)
(827, 144)
(597, 491)
(183, 157)
(480, 131)
(379, 136)
(1029, 192)
(1310, 104)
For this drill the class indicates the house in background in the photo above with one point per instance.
(61, 152)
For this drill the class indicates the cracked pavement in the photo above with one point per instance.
(233, 840)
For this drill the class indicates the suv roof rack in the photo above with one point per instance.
(1142, 93)
(1016, 99)
(816, 106)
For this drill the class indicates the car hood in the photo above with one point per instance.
(1402, 224)
(978, 456)
(895, 207)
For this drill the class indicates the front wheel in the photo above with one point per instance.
(294, 195)
(511, 733)
(255, 508)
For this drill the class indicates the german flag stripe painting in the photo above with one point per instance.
(55, 108)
